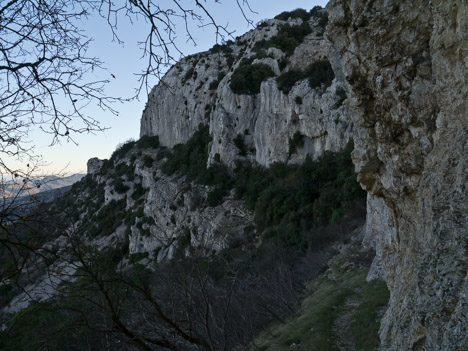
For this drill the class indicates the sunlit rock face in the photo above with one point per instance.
(265, 122)
(405, 67)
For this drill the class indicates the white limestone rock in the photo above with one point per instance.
(266, 121)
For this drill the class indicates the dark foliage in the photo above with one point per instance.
(108, 219)
(341, 94)
(288, 79)
(320, 72)
(216, 195)
(247, 79)
(226, 49)
(239, 142)
(297, 198)
(189, 74)
(119, 186)
(289, 203)
(214, 84)
(295, 142)
(297, 13)
(148, 142)
(191, 159)
(122, 150)
(283, 63)
(138, 191)
(287, 39)
(147, 161)
(322, 16)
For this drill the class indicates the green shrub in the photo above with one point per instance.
(322, 16)
(261, 54)
(214, 84)
(40, 326)
(288, 79)
(122, 149)
(122, 169)
(106, 166)
(315, 11)
(283, 63)
(229, 60)
(148, 142)
(341, 94)
(316, 191)
(189, 74)
(297, 13)
(225, 48)
(295, 142)
(138, 191)
(239, 142)
(119, 186)
(247, 79)
(323, 21)
(189, 158)
(287, 39)
(108, 218)
(320, 72)
(5, 289)
(147, 161)
(216, 196)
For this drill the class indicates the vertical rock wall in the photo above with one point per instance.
(406, 66)
(267, 121)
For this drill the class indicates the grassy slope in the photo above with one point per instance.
(314, 325)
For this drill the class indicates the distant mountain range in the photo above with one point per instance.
(45, 184)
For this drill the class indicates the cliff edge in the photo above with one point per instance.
(405, 65)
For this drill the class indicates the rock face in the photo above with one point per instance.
(181, 219)
(405, 64)
(94, 165)
(400, 92)
(172, 215)
(264, 123)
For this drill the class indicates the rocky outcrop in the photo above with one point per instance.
(167, 216)
(94, 165)
(405, 64)
(182, 223)
(197, 91)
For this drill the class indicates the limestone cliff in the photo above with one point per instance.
(198, 90)
(405, 65)
(389, 74)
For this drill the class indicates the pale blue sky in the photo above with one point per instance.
(124, 61)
